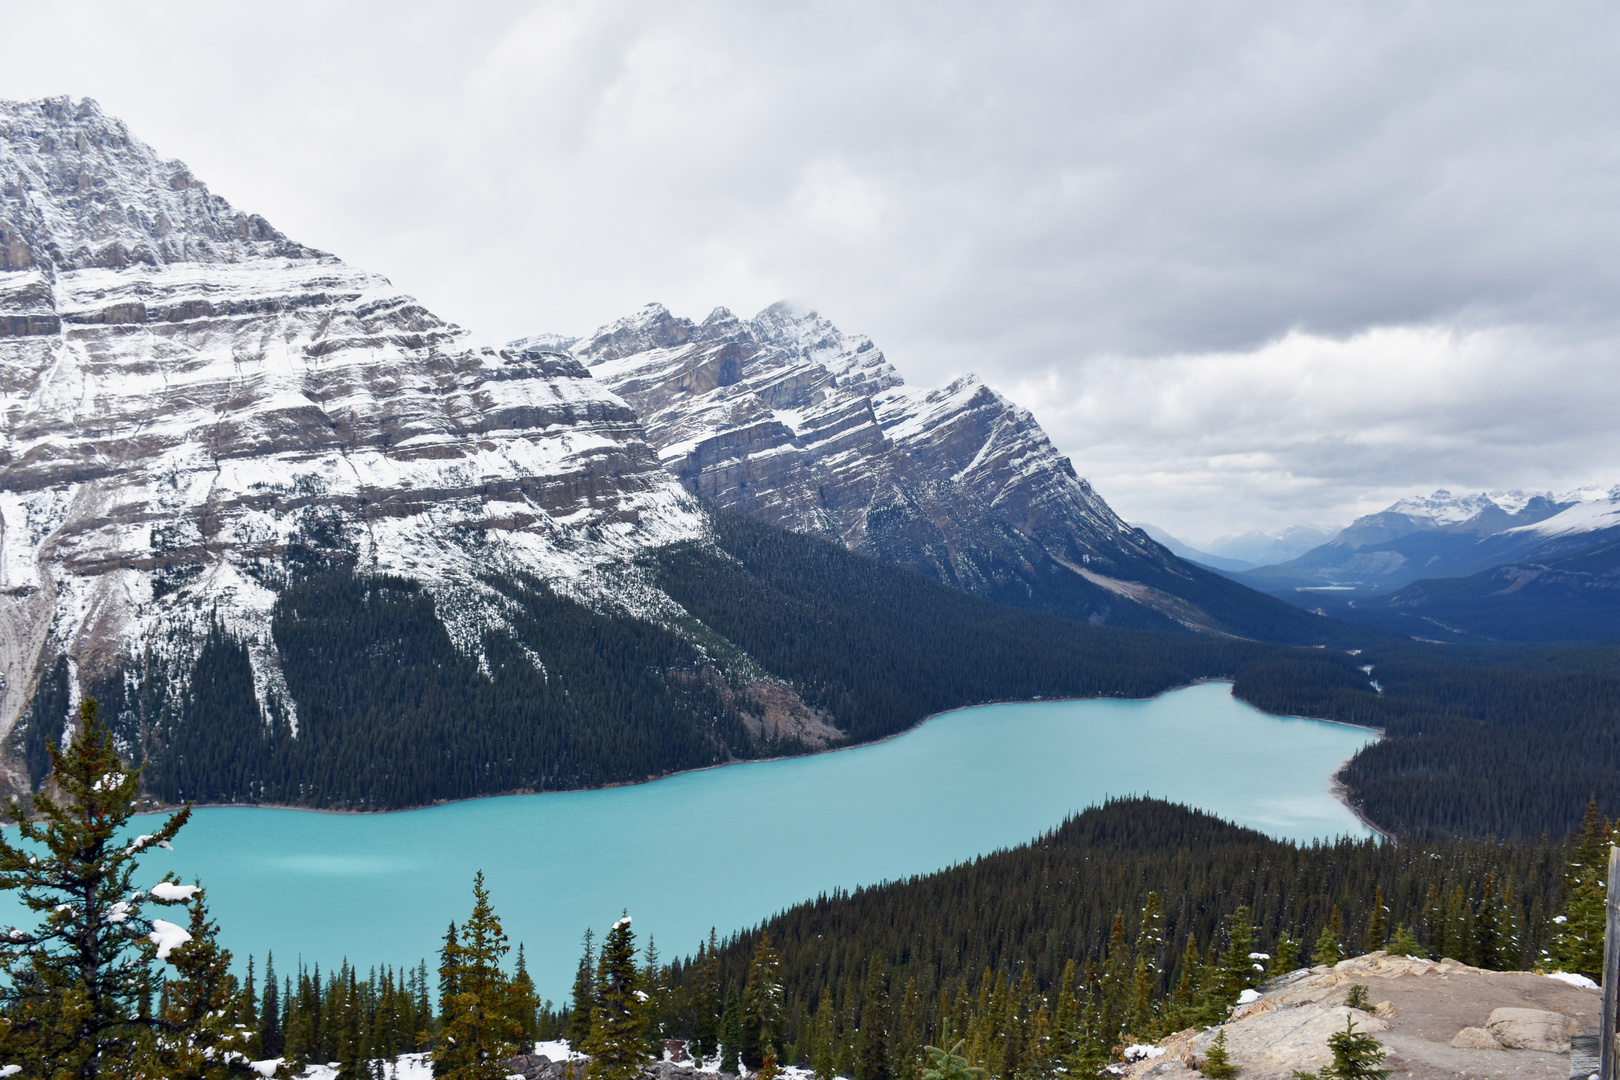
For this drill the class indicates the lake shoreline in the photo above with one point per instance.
(1336, 788)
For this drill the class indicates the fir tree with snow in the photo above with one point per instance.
(76, 987)
(617, 1044)
(480, 1028)
(762, 1002)
(1578, 941)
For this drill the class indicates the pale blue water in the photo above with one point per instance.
(729, 847)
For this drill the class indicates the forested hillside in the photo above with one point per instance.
(391, 713)
(1137, 917)
(1484, 742)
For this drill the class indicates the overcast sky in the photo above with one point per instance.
(1251, 264)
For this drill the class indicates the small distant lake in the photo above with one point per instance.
(728, 847)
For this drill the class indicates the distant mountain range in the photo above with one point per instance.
(1513, 565)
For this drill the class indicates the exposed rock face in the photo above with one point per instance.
(1441, 1019)
(184, 389)
(786, 418)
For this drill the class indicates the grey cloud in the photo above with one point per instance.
(1071, 199)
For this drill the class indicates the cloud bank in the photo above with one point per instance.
(1251, 263)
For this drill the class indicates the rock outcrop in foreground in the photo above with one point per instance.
(1435, 1020)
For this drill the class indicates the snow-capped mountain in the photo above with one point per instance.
(1514, 564)
(187, 391)
(788, 419)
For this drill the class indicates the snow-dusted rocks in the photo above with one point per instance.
(186, 391)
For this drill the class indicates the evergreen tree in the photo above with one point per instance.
(653, 1000)
(1114, 997)
(1578, 941)
(525, 1009)
(1327, 951)
(762, 1002)
(731, 1034)
(949, 1064)
(199, 1037)
(1239, 971)
(1377, 923)
(1066, 1016)
(479, 1027)
(1284, 956)
(1461, 936)
(872, 1060)
(1187, 995)
(449, 969)
(706, 1003)
(824, 1044)
(73, 987)
(583, 1002)
(270, 1011)
(617, 1043)
(1404, 943)
(1218, 1063)
(1356, 1056)
(907, 1040)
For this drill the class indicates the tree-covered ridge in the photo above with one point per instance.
(390, 713)
(1486, 742)
(1138, 917)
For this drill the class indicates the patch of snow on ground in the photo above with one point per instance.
(1141, 1051)
(1248, 997)
(1574, 980)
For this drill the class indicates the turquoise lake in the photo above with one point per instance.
(727, 847)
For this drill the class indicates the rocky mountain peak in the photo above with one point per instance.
(187, 393)
(789, 419)
(77, 190)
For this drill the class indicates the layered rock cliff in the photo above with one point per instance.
(788, 419)
(186, 392)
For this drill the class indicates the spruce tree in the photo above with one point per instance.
(74, 985)
(1185, 998)
(1404, 943)
(1356, 1056)
(480, 1029)
(731, 1034)
(617, 1044)
(872, 1056)
(199, 1038)
(525, 1009)
(1218, 1063)
(583, 1001)
(949, 1064)
(1377, 923)
(706, 1002)
(270, 1011)
(1578, 941)
(449, 969)
(653, 1000)
(1284, 956)
(762, 1002)
(1238, 970)
(824, 1048)
(1327, 951)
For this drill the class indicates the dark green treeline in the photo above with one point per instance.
(951, 949)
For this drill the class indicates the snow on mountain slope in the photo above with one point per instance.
(184, 390)
(786, 418)
(1591, 511)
